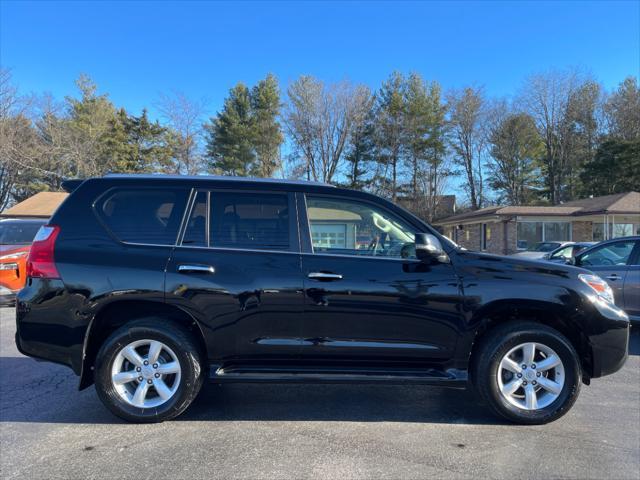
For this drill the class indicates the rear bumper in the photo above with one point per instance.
(48, 326)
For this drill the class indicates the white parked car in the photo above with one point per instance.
(539, 250)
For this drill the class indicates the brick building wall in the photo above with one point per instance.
(582, 231)
(471, 234)
(512, 237)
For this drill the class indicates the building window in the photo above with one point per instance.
(616, 230)
(483, 237)
(530, 233)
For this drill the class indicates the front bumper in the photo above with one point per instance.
(609, 339)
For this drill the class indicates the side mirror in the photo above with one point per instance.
(429, 248)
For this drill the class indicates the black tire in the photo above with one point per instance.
(497, 343)
(177, 339)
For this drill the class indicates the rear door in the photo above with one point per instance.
(237, 268)
(611, 261)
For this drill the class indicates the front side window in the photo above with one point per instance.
(347, 227)
(611, 254)
(149, 216)
(565, 252)
(249, 220)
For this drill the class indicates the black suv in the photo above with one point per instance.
(147, 285)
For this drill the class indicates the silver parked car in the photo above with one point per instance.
(539, 250)
(618, 262)
(566, 252)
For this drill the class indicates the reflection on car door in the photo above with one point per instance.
(610, 261)
(367, 298)
(238, 269)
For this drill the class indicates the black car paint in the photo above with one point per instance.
(386, 320)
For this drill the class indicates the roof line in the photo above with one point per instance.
(224, 178)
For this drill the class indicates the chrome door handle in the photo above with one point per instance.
(613, 276)
(196, 269)
(324, 276)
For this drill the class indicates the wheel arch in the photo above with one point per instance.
(546, 313)
(118, 313)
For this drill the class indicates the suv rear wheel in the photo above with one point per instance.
(148, 371)
(528, 373)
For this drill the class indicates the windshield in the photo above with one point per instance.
(543, 247)
(18, 233)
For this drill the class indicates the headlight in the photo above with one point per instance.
(602, 288)
(8, 266)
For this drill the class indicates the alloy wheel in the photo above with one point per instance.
(146, 373)
(531, 376)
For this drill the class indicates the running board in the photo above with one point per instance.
(253, 374)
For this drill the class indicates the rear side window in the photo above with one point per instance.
(150, 216)
(196, 232)
(249, 220)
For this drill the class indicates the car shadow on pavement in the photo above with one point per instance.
(634, 340)
(38, 392)
(42, 392)
(343, 403)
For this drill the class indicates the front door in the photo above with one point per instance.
(367, 298)
(611, 262)
(237, 268)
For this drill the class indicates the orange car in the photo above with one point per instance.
(15, 241)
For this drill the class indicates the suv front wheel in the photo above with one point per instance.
(148, 371)
(528, 373)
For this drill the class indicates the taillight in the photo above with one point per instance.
(40, 263)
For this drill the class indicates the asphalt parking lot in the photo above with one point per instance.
(50, 430)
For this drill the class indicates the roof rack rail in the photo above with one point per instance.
(216, 177)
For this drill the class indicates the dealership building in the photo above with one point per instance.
(507, 230)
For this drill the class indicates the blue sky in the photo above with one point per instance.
(135, 51)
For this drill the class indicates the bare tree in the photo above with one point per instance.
(467, 138)
(547, 98)
(319, 119)
(184, 117)
(18, 139)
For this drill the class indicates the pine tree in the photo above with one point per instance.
(267, 134)
(361, 152)
(87, 130)
(417, 120)
(516, 153)
(147, 149)
(230, 135)
(390, 121)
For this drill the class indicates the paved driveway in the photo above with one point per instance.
(50, 430)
